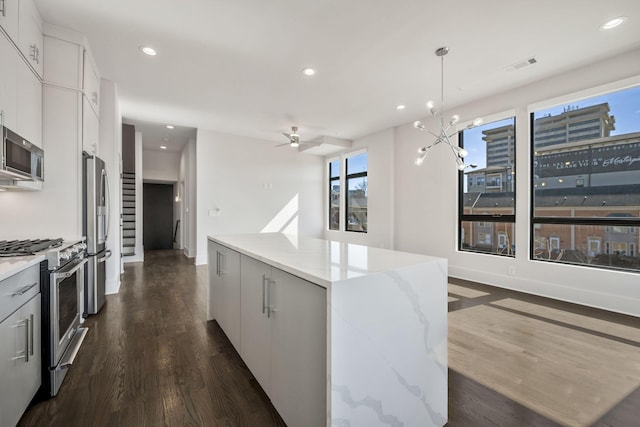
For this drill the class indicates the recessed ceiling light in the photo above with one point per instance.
(148, 50)
(612, 23)
(400, 107)
(163, 147)
(170, 126)
(308, 71)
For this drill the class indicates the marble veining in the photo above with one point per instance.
(368, 402)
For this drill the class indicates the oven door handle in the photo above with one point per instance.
(73, 270)
(107, 255)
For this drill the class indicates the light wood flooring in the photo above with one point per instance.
(150, 359)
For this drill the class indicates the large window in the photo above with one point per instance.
(586, 181)
(334, 195)
(357, 193)
(487, 192)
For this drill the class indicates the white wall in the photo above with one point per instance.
(187, 180)
(426, 202)
(160, 166)
(110, 150)
(256, 187)
(380, 153)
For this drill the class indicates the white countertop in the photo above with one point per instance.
(13, 265)
(319, 261)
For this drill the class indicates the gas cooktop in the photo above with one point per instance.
(10, 248)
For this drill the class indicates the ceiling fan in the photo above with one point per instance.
(294, 139)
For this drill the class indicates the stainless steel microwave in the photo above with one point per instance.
(21, 160)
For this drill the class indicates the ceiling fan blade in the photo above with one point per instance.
(282, 145)
(288, 135)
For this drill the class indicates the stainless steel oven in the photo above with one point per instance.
(62, 294)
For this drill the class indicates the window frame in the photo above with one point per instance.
(538, 221)
(348, 177)
(486, 219)
(331, 180)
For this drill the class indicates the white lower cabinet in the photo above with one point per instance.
(224, 285)
(283, 340)
(20, 360)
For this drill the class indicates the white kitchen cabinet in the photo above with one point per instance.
(283, 338)
(298, 350)
(30, 39)
(20, 361)
(8, 86)
(9, 17)
(255, 348)
(225, 292)
(29, 124)
(91, 82)
(90, 128)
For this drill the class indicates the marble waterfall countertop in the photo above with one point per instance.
(386, 326)
(319, 261)
(13, 265)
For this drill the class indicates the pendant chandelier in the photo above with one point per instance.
(445, 127)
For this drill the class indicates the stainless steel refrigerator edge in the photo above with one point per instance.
(96, 230)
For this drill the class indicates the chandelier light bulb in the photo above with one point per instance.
(422, 150)
(419, 161)
(463, 153)
(478, 121)
(454, 119)
(418, 125)
(461, 165)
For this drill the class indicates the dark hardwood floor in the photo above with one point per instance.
(151, 359)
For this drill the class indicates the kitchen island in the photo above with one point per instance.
(335, 333)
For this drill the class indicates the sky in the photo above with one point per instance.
(624, 106)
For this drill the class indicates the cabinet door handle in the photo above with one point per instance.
(264, 284)
(94, 97)
(31, 340)
(3, 8)
(24, 290)
(218, 263)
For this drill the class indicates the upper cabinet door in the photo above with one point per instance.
(9, 17)
(8, 86)
(30, 39)
(91, 82)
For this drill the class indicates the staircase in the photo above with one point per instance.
(128, 214)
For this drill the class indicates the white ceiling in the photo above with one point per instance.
(234, 66)
(156, 135)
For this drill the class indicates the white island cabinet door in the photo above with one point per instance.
(215, 282)
(230, 271)
(299, 350)
(255, 348)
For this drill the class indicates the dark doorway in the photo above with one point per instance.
(157, 216)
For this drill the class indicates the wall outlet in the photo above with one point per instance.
(511, 270)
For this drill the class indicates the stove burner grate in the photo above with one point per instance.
(26, 247)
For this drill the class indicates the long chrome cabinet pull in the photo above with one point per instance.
(27, 340)
(31, 341)
(217, 263)
(264, 280)
(24, 290)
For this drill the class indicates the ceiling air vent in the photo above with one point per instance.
(521, 64)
